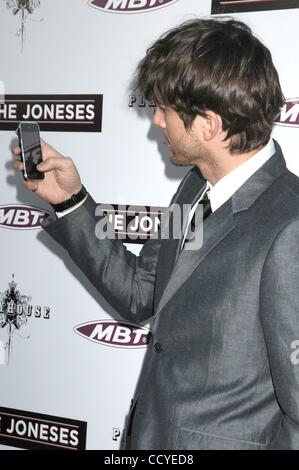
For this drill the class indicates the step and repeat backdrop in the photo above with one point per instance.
(68, 364)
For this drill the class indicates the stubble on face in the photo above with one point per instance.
(187, 150)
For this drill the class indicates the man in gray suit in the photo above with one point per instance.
(218, 373)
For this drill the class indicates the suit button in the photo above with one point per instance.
(158, 347)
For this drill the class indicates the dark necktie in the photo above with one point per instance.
(206, 211)
(206, 208)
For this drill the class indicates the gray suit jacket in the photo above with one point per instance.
(218, 372)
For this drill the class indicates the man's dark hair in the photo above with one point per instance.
(217, 65)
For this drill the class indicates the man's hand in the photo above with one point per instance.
(62, 179)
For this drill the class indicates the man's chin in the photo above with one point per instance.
(177, 160)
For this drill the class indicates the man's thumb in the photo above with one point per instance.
(51, 163)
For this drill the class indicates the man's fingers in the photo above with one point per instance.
(16, 151)
(18, 166)
(32, 185)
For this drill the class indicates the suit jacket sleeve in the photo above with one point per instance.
(126, 281)
(279, 304)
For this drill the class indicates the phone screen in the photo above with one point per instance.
(31, 149)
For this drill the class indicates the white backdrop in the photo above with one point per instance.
(73, 48)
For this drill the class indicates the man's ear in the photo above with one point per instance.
(210, 125)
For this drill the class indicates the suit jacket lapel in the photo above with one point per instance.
(219, 224)
(215, 228)
(189, 191)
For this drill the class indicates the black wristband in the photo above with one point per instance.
(72, 201)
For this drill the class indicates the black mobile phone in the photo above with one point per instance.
(31, 151)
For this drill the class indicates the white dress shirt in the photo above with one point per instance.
(230, 183)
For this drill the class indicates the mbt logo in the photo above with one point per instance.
(129, 6)
(22, 217)
(113, 333)
(290, 113)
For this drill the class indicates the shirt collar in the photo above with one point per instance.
(230, 183)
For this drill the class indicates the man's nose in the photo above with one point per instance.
(159, 118)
